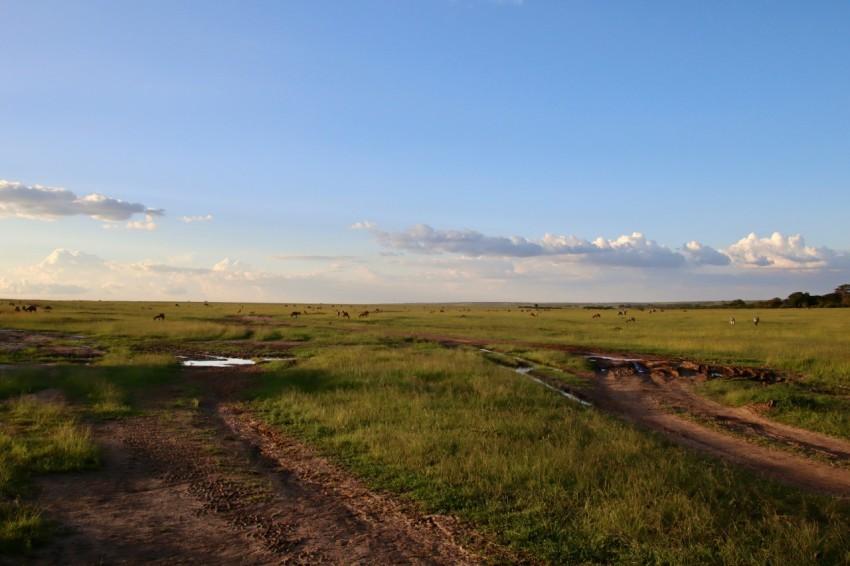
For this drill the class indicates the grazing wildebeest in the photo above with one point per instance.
(30, 308)
(345, 314)
(363, 314)
(48, 308)
(597, 315)
(159, 316)
(756, 320)
(17, 309)
(732, 321)
(631, 319)
(294, 314)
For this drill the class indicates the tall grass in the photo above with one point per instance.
(37, 436)
(559, 481)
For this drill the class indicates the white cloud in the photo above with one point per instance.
(62, 259)
(45, 203)
(778, 252)
(230, 265)
(699, 254)
(190, 219)
(148, 225)
(627, 250)
(365, 225)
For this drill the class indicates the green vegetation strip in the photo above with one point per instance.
(560, 482)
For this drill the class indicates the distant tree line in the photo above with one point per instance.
(798, 300)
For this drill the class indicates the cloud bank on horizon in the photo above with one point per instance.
(431, 265)
(635, 250)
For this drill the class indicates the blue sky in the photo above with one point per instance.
(424, 150)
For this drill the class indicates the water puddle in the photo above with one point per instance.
(217, 362)
(223, 362)
(527, 367)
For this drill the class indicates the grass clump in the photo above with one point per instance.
(38, 435)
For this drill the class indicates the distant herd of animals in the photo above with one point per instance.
(31, 308)
(28, 308)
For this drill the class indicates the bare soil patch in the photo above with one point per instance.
(210, 485)
(46, 346)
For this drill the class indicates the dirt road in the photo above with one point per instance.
(659, 395)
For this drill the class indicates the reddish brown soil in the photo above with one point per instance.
(661, 397)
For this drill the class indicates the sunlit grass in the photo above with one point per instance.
(565, 483)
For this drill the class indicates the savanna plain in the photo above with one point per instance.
(421, 433)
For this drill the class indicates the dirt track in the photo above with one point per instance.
(654, 394)
(213, 486)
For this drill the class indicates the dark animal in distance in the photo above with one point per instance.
(30, 308)
(631, 319)
(756, 320)
(364, 314)
(597, 315)
(159, 316)
(294, 314)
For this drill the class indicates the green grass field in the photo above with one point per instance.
(459, 434)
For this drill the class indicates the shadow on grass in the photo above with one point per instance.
(308, 381)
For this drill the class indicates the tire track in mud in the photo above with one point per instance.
(652, 391)
(214, 486)
(652, 398)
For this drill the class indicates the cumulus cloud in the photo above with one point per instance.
(365, 225)
(778, 252)
(699, 254)
(148, 224)
(635, 250)
(424, 239)
(230, 265)
(70, 259)
(45, 203)
(190, 219)
(627, 250)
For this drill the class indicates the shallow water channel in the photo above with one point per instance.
(528, 367)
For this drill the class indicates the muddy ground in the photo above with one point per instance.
(203, 482)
